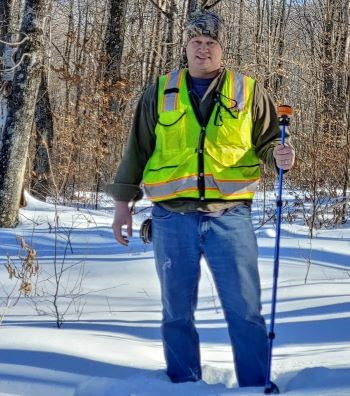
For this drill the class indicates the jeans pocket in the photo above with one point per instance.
(239, 210)
(158, 212)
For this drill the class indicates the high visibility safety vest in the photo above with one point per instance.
(216, 161)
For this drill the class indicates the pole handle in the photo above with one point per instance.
(284, 112)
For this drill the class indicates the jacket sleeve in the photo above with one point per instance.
(266, 131)
(139, 148)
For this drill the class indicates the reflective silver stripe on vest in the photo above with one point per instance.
(170, 98)
(229, 187)
(239, 90)
(162, 190)
(159, 190)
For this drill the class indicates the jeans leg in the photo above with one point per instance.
(177, 255)
(231, 251)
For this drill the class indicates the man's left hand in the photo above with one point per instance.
(284, 156)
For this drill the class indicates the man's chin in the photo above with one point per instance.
(207, 69)
(203, 64)
(203, 70)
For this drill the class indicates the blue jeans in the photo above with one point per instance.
(229, 246)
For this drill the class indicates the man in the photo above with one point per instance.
(196, 141)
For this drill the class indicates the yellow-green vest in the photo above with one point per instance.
(212, 162)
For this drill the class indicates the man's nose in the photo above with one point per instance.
(203, 47)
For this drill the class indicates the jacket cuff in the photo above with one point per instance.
(123, 192)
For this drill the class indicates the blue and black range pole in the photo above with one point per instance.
(284, 113)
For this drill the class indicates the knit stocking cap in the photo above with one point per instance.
(205, 23)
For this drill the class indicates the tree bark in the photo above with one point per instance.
(193, 6)
(114, 39)
(239, 34)
(7, 53)
(154, 52)
(44, 133)
(328, 64)
(4, 22)
(20, 111)
(170, 37)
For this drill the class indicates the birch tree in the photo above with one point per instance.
(17, 121)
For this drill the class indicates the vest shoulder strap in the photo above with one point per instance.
(170, 90)
(240, 86)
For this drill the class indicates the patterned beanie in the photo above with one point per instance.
(205, 23)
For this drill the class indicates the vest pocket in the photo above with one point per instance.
(162, 167)
(170, 130)
(158, 212)
(231, 130)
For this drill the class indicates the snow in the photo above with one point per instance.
(110, 343)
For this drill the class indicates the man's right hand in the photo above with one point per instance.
(122, 216)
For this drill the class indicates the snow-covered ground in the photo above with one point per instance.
(110, 343)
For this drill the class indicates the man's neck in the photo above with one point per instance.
(200, 74)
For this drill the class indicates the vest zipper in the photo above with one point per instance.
(201, 180)
(201, 142)
(203, 123)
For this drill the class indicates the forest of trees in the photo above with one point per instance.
(71, 72)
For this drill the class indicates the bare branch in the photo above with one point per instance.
(15, 44)
(160, 8)
(59, 51)
(16, 65)
(207, 7)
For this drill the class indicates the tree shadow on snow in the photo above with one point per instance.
(65, 363)
(318, 256)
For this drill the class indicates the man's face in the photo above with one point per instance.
(204, 56)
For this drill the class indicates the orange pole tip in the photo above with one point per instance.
(284, 110)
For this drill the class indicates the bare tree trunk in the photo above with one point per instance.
(20, 112)
(154, 52)
(258, 35)
(44, 133)
(170, 38)
(327, 34)
(5, 7)
(8, 27)
(239, 34)
(280, 45)
(67, 54)
(193, 6)
(114, 39)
